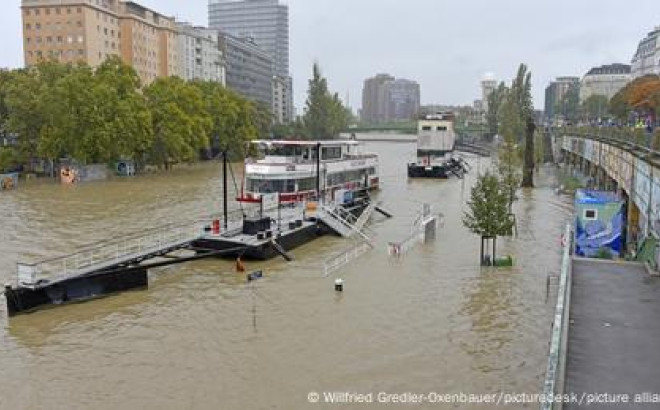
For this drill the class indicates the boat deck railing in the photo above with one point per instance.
(107, 254)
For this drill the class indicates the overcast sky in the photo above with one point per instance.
(446, 46)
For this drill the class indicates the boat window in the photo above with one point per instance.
(372, 171)
(284, 151)
(331, 153)
(307, 184)
(264, 186)
(344, 177)
(426, 128)
(442, 128)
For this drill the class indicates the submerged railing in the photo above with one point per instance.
(554, 377)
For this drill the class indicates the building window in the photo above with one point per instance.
(37, 12)
(81, 52)
(27, 12)
(58, 11)
(81, 39)
(38, 40)
(59, 39)
(37, 26)
(79, 24)
(69, 39)
(79, 10)
(49, 40)
(47, 11)
(27, 40)
(68, 10)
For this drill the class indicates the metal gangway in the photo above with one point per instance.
(340, 221)
(104, 255)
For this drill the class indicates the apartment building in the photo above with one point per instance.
(91, 30)
(200, 56)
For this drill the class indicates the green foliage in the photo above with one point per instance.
(495, 100)
(7, 159)
(103, 114)
(325, 116)
(488, 213)
(509, 159)
(603, 253)
(595, 107)
(232, 117)
(180, 122)
(569, 105)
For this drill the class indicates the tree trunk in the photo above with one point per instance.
(528, 167)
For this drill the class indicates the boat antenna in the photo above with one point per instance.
(224, 188)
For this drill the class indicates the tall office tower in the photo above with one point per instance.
(374, 101)
(264, 21)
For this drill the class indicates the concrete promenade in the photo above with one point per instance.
(614, 336)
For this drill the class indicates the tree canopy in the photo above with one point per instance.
(488, 213)
(325, 115)
(104, 114)
(641, 95)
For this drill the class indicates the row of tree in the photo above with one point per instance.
(641, 96)
(103, 114)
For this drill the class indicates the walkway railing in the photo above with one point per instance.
(554, 377)
(631, 140)
(108, 253)
(335, 263)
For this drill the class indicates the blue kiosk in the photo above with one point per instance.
(599, 223)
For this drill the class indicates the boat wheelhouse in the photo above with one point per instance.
(435, 147)
(295, 170)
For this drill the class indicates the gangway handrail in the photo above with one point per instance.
(554, 378)
(336, 220)
(107, 254)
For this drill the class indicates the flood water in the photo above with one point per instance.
(200, 338)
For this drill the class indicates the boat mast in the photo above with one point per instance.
(224, 188)
(318, 172)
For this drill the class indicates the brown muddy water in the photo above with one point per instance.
(200, 338)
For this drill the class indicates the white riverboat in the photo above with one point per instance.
(295, 171)
(436, 141)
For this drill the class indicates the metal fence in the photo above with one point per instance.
(554, 377)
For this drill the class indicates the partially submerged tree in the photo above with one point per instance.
(325, 116)
(488, 213)
(495, 100)
(508, 159)
(521, 91)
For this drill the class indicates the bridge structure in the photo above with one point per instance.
(617, 164)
